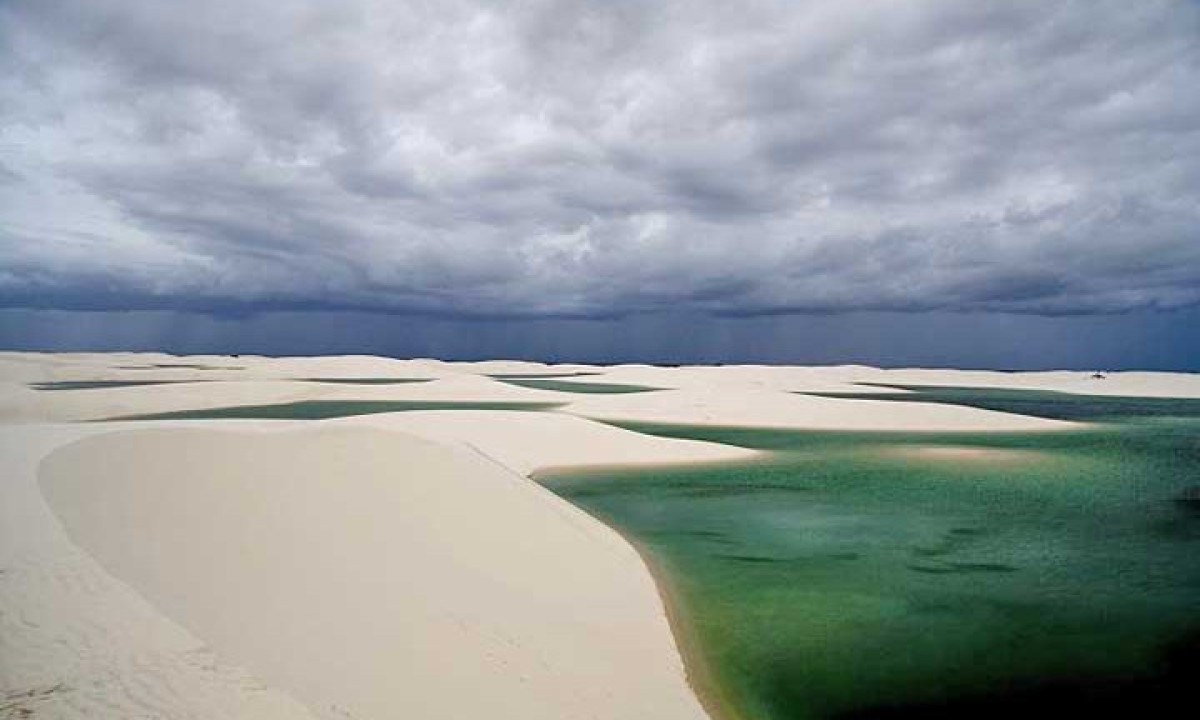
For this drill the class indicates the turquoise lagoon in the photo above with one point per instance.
(891, 575)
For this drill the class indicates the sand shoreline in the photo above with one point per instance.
(145, 645)
(518, 567)
(700, 675)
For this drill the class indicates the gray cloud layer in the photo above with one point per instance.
(598, 158)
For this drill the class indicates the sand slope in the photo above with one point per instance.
(528, 442)
(373, 574)
(771, 408)
(395, 565)
(77, 643)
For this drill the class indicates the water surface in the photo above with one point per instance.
(930, 575)
(1038, 403)
(367, 380)
(539, 376)
(99, 384)
(325, 409)
(577, 387)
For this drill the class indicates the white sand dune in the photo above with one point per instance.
(770, 408)
(21, 403)
(850, 378)
(529, 442)
(395, 565)
(375, 573)
(75, 642)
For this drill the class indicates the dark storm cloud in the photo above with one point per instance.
(584, 158)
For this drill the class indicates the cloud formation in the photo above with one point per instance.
(575, 158)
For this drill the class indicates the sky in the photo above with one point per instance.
(989, 184)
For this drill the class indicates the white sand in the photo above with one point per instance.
(959, 454)
(376, 573)
(397, 565)
(772, 408)
(527, 442)
(75, 642)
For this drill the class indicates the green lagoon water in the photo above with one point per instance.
(367, 380)
(589, 388)
(850, 575)
(99, 384)
(325, 409)
(1039, 403)
(541, 376)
